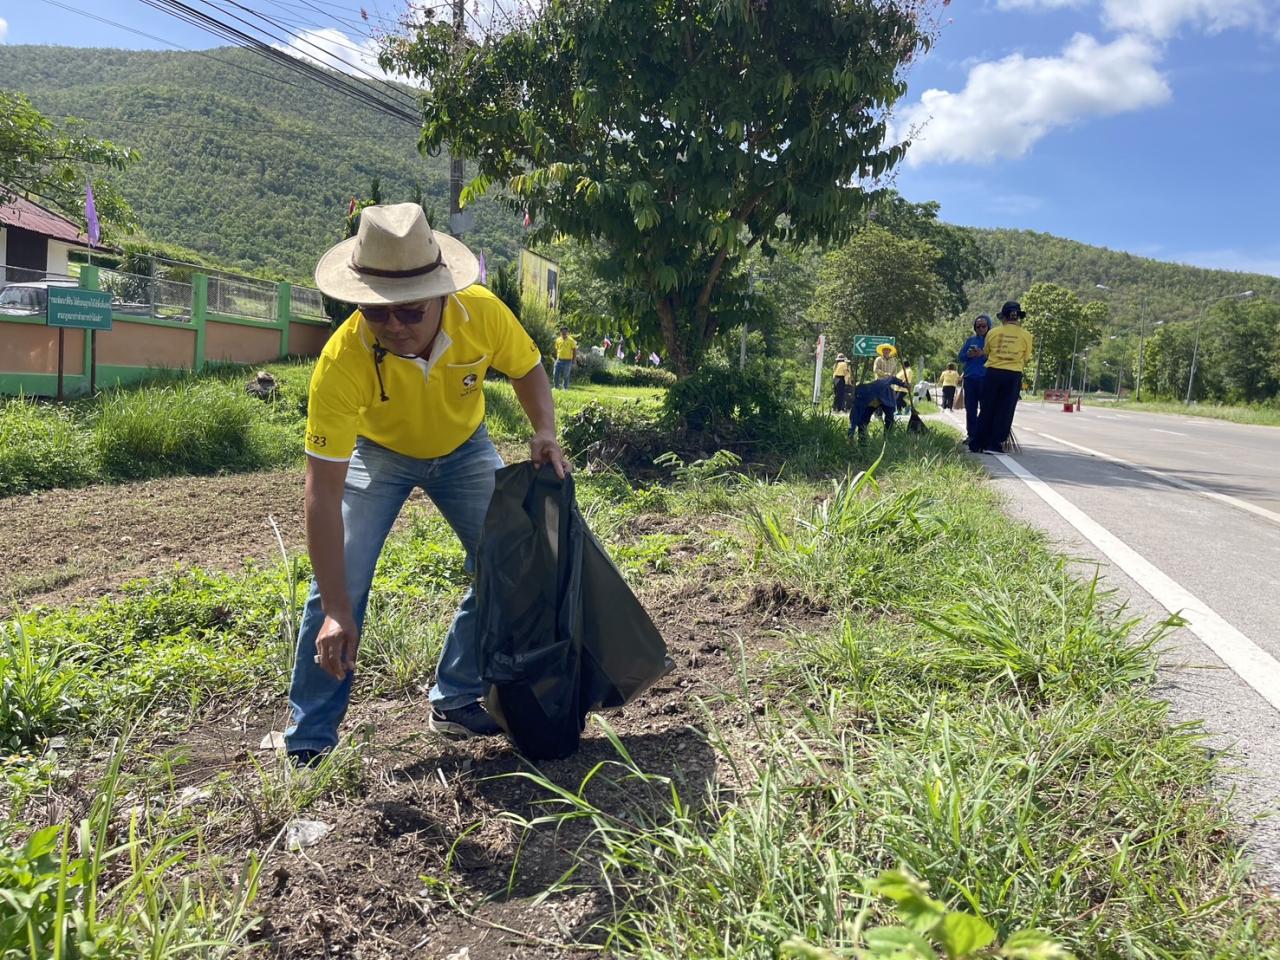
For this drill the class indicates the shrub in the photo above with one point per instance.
(589, 366)
(540, 323)
(718, 396)
(41, 446)
(626, 434)
(614, 374)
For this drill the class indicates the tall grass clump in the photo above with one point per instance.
(41, 446)
(183, 428)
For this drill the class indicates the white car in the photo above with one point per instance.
(29, 299)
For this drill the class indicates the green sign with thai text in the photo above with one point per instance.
(82, 309)
(864, 345)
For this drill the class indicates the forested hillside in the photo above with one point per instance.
(246, 162)
(1173, 291)
(240, 159)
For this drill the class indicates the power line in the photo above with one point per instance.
(340, 83)
(290, 37)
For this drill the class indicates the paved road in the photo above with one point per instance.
(1199, 503)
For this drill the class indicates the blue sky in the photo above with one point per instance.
(1151, 126)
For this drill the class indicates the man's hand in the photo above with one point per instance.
(336, 645)
(544, 448)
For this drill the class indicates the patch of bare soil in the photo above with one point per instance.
(430, 859)
(58, 546)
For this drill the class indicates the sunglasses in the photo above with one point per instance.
(407, 314)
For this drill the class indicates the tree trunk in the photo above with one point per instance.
(671, 339)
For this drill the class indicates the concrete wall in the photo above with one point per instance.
(33, 348)
(147, 345)
(237, 343)
(307, 339)
(58, 260)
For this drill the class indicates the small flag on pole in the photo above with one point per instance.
(351, 207)
(483, 272)
(91, 215)
(528, 221)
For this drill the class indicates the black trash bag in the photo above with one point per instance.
(560, 632)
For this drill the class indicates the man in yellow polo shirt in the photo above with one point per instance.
(566, 353)
(1008, 350)
(397, 402)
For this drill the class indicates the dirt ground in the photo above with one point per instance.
(58, 546)
(425, 857)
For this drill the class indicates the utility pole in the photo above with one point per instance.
(1142, 332)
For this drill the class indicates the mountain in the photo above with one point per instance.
(241, 159)
(1173, 291)
(245, 161)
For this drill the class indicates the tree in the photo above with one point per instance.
(960, 259)
(1167, 361)
(1240, 351)
(1060, 326)
(677, 134)
(879, 283)
(52, 166)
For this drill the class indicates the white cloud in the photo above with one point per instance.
(4, 28)
(1007, 105)
(1163, 18)
(332, 48)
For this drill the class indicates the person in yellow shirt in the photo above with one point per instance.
(396, 403)
(950, 379)
(566, 349)
(841, 377)
(1008, 350)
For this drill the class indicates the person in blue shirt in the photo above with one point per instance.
(869, 397)
(975, 372)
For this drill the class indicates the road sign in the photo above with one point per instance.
(83, 309)
(864, 345)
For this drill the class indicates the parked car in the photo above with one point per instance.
(29, 299)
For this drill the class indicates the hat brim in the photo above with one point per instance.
(886, 350)
(337, 278)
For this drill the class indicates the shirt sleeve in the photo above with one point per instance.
(513, 351)
(333, 408)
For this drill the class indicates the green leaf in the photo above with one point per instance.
(898, 943)
(963, 934)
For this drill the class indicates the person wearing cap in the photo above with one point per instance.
(566, 348)
(397, 402)
(840, 378)
(1007, 349)
(975, 372)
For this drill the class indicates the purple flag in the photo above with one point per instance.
(91, 215)
(483, 272)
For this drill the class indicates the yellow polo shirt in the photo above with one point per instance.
(565, 347)
(432, 405)
(950, 378)
(842, 369)
(1008, 347)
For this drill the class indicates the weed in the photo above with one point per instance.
(41, 445)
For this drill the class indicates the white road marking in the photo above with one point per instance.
(1251, 663)
(1170, 478)
(1172, 433)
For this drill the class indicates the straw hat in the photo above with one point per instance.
(887, 350)
(395, 257)
(841, 356)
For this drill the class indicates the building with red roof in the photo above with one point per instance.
(35, 241)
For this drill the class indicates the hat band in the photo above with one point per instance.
(397, 274)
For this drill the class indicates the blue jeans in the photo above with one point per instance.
(563, 370)
(379, 481)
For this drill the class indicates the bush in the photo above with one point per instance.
(42, 446)
(541, 324)
(185, 428)
(718, 398)
(589, 366)
(626, 434)
(614, 374)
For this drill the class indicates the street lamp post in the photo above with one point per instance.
(1142, 332)
(1195, 350)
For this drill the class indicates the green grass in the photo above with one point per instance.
(969, 714)
(1254, 414)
